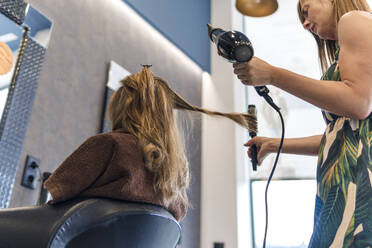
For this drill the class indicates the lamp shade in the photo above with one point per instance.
(256, 8)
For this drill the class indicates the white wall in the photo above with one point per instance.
(225, 208)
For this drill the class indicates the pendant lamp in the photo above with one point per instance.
(256, 8)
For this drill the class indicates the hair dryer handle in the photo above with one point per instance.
(262, 90)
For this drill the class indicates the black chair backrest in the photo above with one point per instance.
(93, 222)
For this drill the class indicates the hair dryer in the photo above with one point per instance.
(235, 47)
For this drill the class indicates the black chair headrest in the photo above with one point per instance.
(93, 222)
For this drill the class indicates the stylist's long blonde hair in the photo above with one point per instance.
(143, 106)
(327, 48)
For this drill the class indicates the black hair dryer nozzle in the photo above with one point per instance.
(232, 45)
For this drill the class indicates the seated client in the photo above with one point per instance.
(143, 158)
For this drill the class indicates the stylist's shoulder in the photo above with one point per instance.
(355, 26)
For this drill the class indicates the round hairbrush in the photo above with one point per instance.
(253, 132)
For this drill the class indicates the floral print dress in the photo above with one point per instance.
(343, 209)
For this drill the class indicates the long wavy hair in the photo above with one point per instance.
(327, 48)
(143, 106)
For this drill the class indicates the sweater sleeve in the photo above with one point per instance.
(81, 168)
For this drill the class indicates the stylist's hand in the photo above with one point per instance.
(264, 145)
(256, 72)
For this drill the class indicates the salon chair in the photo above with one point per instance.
(92, 222)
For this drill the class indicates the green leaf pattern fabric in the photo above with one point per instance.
(343, 208)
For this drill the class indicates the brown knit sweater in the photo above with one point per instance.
(107, 165)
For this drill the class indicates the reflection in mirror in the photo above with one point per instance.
(10, 37)
(39, 25)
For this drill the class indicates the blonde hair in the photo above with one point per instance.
(327, 48)
(143, 106)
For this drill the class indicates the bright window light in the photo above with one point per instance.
(291, 213)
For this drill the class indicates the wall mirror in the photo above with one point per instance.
(24, 37)
(14, 36)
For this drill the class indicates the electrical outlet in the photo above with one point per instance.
(30, 172)
(218, 245)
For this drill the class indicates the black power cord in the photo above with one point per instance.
(277, 109)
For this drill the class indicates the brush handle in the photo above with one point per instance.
(254, 157)
(253, 152)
